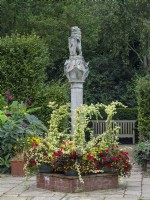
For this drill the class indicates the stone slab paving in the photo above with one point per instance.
(136, 187)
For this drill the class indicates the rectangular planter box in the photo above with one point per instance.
(70, 184)
(17, 168)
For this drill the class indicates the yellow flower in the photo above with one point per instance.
(5, 107)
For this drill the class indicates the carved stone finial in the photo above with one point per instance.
(76, 69)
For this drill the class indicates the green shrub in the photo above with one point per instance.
(126, 114)
(23, 61)
(56, 91)
(143, 99)
(122, 114)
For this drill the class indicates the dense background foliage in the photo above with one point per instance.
(115, 41)
(23, 60)
(143, 99)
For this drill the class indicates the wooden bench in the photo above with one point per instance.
(127, 128)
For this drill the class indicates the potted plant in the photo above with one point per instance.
(17, 165)
(18, 161)
(38, 158)
(142, 154)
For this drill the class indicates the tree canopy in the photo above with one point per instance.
(115, 40)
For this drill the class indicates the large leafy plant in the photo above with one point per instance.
(18, 127)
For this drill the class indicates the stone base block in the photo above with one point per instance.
(71, 184)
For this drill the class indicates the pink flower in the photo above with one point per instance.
(24, 125)
(6, 93)
(11, 98)
(29, 102)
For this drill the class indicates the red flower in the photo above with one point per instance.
(45, 154)
(34, 144)
(106, 150)
(109, 166)
(33, 162)
(97, 164)
(64, 142)
(117, 146)
(8, 114)
(104, 159)
(114, 159)
(126, 164)
(89, 156)
(101, 153)
(124, 153)
(73, 155)
(58, 153)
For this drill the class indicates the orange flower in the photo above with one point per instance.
(62, 146)
(70, 142)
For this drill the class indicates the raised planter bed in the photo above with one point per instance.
(71, 184)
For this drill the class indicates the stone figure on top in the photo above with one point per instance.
(75, 42)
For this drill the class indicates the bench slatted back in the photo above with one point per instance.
(127, 127)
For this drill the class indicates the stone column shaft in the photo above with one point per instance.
(76, 100)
